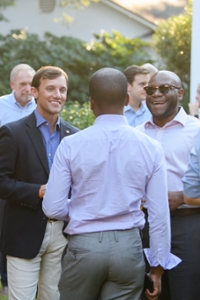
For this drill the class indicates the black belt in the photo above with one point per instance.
(184, 211)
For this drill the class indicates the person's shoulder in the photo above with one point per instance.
(143, 137)
(141, 127)
(20, 123)
(5, 98)
(192, 123)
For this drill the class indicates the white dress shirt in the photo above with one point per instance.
(110, 167)
(177, 138)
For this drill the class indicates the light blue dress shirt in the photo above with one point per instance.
(11, 110)
(191, 179)
(110, 167)
(50, 140)
(138, 117)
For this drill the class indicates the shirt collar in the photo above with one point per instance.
(128, 107)
(108, 118)
(181, 118)
(40, 120)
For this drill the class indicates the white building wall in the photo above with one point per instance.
(87, 21)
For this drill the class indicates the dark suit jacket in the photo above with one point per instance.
(23, 169)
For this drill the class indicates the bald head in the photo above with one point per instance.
(151, 68)
(166, 77)
(108, 88)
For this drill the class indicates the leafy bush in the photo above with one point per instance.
(78, 59)
(173, 43)
(78, 114)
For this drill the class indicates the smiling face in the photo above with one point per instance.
(51, 96)
(164, 107)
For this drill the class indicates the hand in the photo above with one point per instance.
(42, 191)
(157, 288)
(175, 199)
(155, 274)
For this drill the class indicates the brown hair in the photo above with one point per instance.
(132, 71)
(47, 72)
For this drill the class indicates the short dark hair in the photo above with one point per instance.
(108, 87)
(132, 71)
(47, 72)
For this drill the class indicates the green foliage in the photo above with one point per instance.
(117, 51)
(78, 59)
(173, 43)
(78, 114)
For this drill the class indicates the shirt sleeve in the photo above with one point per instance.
(159, 217)
(55, 202)
(191, 179)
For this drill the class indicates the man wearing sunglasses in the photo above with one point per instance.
(176, 131)
(136, 112)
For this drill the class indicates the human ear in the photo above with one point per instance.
(180, 94)
(34, 92)
(127, 99)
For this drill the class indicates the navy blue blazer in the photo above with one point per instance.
(23, 169)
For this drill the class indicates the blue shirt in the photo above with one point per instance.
(191, 179)
(11, 110)
(138, 117)
(110, 166)
(50, 140)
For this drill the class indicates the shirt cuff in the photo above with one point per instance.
(167, 263)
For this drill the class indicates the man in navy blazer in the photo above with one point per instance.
(33, 243)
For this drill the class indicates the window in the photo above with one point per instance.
(47, 6)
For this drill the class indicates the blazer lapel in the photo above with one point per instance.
(37, 142)
(64, 130)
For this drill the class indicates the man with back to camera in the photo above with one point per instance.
(176, 131)
(109, 167)
(32, 242)
(14, 106)
(136, 112)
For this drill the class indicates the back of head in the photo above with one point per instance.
(152, 69)
(108, 88)
(18, 68)
(47, 72)
(132, 71)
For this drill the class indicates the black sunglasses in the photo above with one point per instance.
(163, 88)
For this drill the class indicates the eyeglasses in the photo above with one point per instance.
(163, 88)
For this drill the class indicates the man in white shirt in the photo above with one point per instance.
(176, 131)
(109, 166)
(136, 111)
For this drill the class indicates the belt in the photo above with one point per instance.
(184, 211)
(51, 220)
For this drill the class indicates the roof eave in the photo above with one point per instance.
(129, 14)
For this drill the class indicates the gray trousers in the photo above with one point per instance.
(103, 266)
